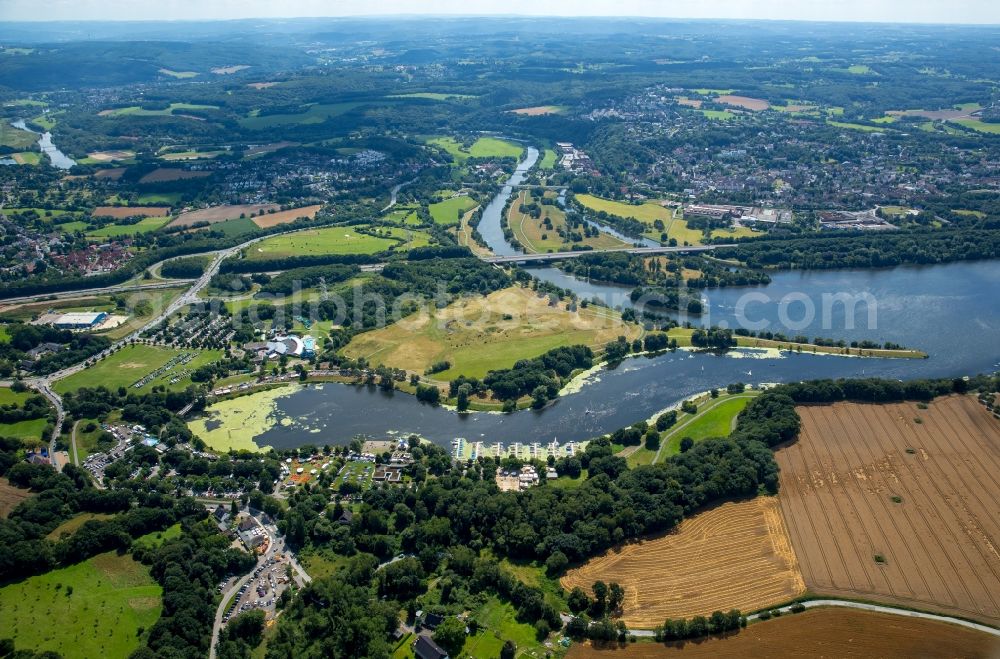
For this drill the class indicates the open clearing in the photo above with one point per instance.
(745, 102)
(330, 240)
(867, 480)
(540, 110)
(132, 363)
(112, 598)
(484, 147)
(164, 174)
(473, 334)
(736, 555)
(450, 210)
(832, 632)
(284, 217)
(220, 214)
(10, 496)
(121, 212)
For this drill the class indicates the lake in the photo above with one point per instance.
(952, 312)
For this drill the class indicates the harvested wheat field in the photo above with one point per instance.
(284, 217)
(735, 556)
(220, 214)
(882, 507)
(113, 173)
(746, 102)
(122, 212)
(840, 633)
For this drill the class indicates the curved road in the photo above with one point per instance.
(862, 606)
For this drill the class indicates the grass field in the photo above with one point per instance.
(715, 418)
(329, 240)
(112, 598)
(157, 538)
(981, 126)
(870, 480)
(144, 225)
(10, 496)
(533, 235)
(549, 159)
(718, 115)
(27, 157)
(73, 524)
(169, 198)
(31, 429)
(736, 555)
(180, 75)
(314, 114)
(449, 211)
(540, 110)
(10, 397)
(647, 213)
(474, 336)
(434, 96)
(498, 623)
(237, 227)
(15, 138)
(173, 110)
(831, 632)
(131, 364)
(484, 147)
(851, 126)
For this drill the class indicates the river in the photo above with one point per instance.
(58, 159)
(951, 311)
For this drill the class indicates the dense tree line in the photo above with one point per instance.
(867, 250)
(541, 377)
(190, 267)
(302, 278)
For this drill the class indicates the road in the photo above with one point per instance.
(277, 546)
(558, 256)
(90, 292)
(861, 606)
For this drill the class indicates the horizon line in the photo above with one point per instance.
(411, 16)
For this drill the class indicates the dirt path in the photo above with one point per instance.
(76, 456)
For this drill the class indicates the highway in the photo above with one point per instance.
(559, 256)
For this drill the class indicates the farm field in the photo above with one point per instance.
(164, 174)
(736, 555)
(314, 114)
(533, 235)
(131, 364)
(434, 96)
(121, 212)
(831, 632)
(27, 157)
(745, 102)
(10, 496)
(142, 226)
(330, 240)
(540, 110)
(884, 508)
(472, 334)
(175, 109)
(112, 598)
(449, 211)
(284, 217)
(484, 147)
(647, 213)
(15, 138)
(719, 115)
(220, 214)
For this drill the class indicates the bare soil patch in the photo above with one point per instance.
(284, 217)
(261, 85)
(745, 102)
(736, 555)
(226, 70)
(10, 496)
(113, 173)
(121, 212)
(170, 174)
(882, 507)
(108, 156)
(841, 633)
(219, 214)
(690, 102)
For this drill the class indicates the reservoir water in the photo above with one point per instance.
(951, 311)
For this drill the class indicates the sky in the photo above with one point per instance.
(893, 11)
